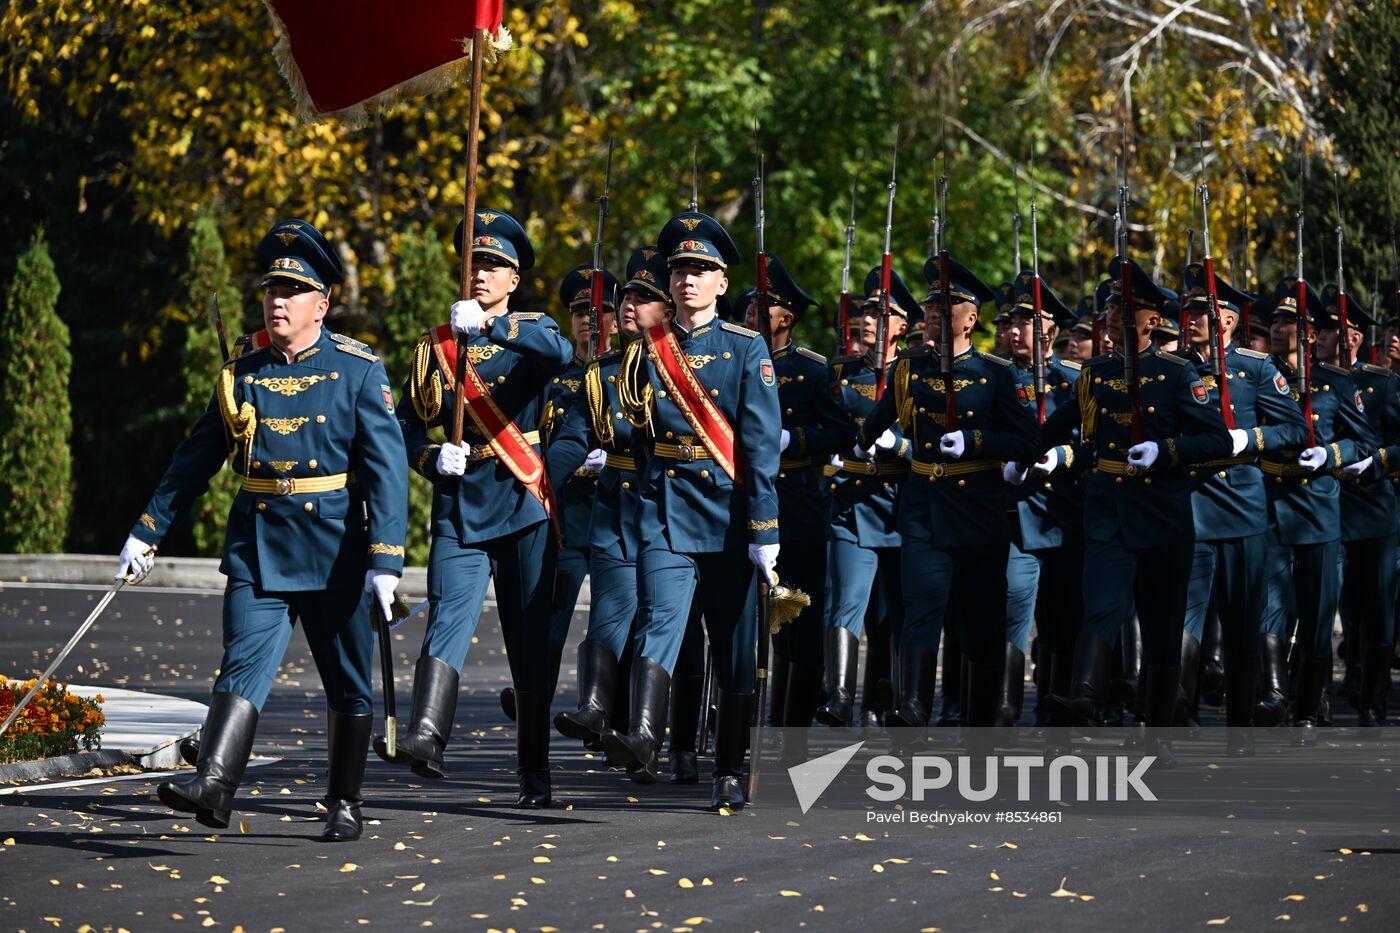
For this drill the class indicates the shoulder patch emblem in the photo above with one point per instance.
(1360, 405)
(1281, 384)
(1024, 393)
(1200, 393)
(388, 397)
(765, 371)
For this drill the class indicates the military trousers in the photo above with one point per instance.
(613, 603)
(1059, 602)
(258, 627)
(1156, 578)
(1023, 572)
(1369, 590)
(852, 574)
(572, 568)
(522, 564)
(802, 565)
(1301, 582)
(966, 585)
(1232, 570)
(724, 587)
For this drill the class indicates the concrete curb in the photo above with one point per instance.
(185, 573)
(142, 729)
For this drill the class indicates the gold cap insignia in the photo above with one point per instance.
(692, 246)
(286, 238)
(488, 241)
(690, 223)
(648, 253)
(487, 217)
(287, 262)
(645, 276)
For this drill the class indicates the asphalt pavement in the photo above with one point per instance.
(610, 855)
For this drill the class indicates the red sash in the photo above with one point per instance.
(691, 398)
(506, 440)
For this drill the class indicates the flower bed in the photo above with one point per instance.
(54, 723)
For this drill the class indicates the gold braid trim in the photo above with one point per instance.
(596, 400)
(425, 386)
(240, 419)
(903, 399)
(1088, 408)
(634, 389)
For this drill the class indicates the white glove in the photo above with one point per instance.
(593, 463)
(1239, 440)
(1048, 463)
(1357, 468)
(382, 583)
(837, 462)
(1314, 458)
(952, 445)
(452, 460)
(886, 441)
(765, 558)
(1143, 455)
(1013, 474)
(467, 317)
(135, 559)
(784, 440)
(863, 453)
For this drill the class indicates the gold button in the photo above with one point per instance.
(962, 482)
(257, 464)
(626, 485)
(725, 354)
(928, 445)
(1118, 479)
(500, 380)
(1370, 389)
(1161, 377)
(1103, 411)
(1097, 380)
(833, 487)
(618, 416)
(307, 507)
(915, 377)
(788, 411)
(982, 381)
(1152, 409)
(969, 413)
(857, 482)
(1221, 474)
(1278, 479)
(262, 506)
(800, 377)
(1147, 480)
(845, 382)
(1193, 473)
(556, 380)
(1305, 480)
(612, 378)
(887, 486)
(311, 463)
(671, 473)
(1064, 385)
(669, 435)
(334, 375)
(1112, 446)
(247, 380)
(781, 474)
(714, 393)
(320, 419)
(660, 393)
(705, 474)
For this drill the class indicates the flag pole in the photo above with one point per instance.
(468, 211)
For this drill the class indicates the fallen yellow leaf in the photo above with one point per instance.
(790, 893)
(1218, 922)
(685, 883)
(349, 867)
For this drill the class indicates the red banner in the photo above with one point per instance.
(351, 58)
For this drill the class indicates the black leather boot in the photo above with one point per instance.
(434, 705)
(950, 706)
(1212, 681)
(877, 691)
(223, 756)
(1240, 676)
(985, 686)
(1088, 672)
(804, 692)
(508, 703)
(1161, 686)
(532, 749)
(638, 750)
(1013, 688)
(731, 741)
(1190, 678)
(1124, 692)
(1375, 685)
(189, 750)
(1272, 707)
(685, 722)
(842, 650)
(1058, 679)
(347, 742)
(915, 700)
(597, 678)
(778, 667)
(1314, 677)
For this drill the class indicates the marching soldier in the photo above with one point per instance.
(1229, 504)
(1137, 508)
(952, 511)
(1304, 550)
(492, 503)
(595, 432)
(706, 393)
(307, 418)
(1369, 512)
(814, 427)
(1045, 566)
(863, 543)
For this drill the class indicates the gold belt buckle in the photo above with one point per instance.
(282, 486)
(478, 452)
(939, 469)
(685, 453)
(1132, 470)
(871, 468)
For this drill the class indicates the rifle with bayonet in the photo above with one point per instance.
(843, 316)
(1217, 340)
(765, 325)
(1244, 272)
(1344, 344)
(882, 326)
(595, 293)
(1037, 326)
(1304, 352)
(945, 294)
(1128, 332)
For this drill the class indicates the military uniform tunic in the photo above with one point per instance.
(1370, 515)
(324, 500)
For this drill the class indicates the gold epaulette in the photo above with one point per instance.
(737, 329)
(527, 315)
(811, 355)
(1252, 354)
(1071, 365)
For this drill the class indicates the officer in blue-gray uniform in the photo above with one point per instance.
(863, 543)
(491, 501)
(1138, 528)
(814, 428)
(1304, 550)
(1046, 560)
(307, 419)
(1229, 504)
(706, 394)
(1369, 511)
(952, 512)
(596, 433)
